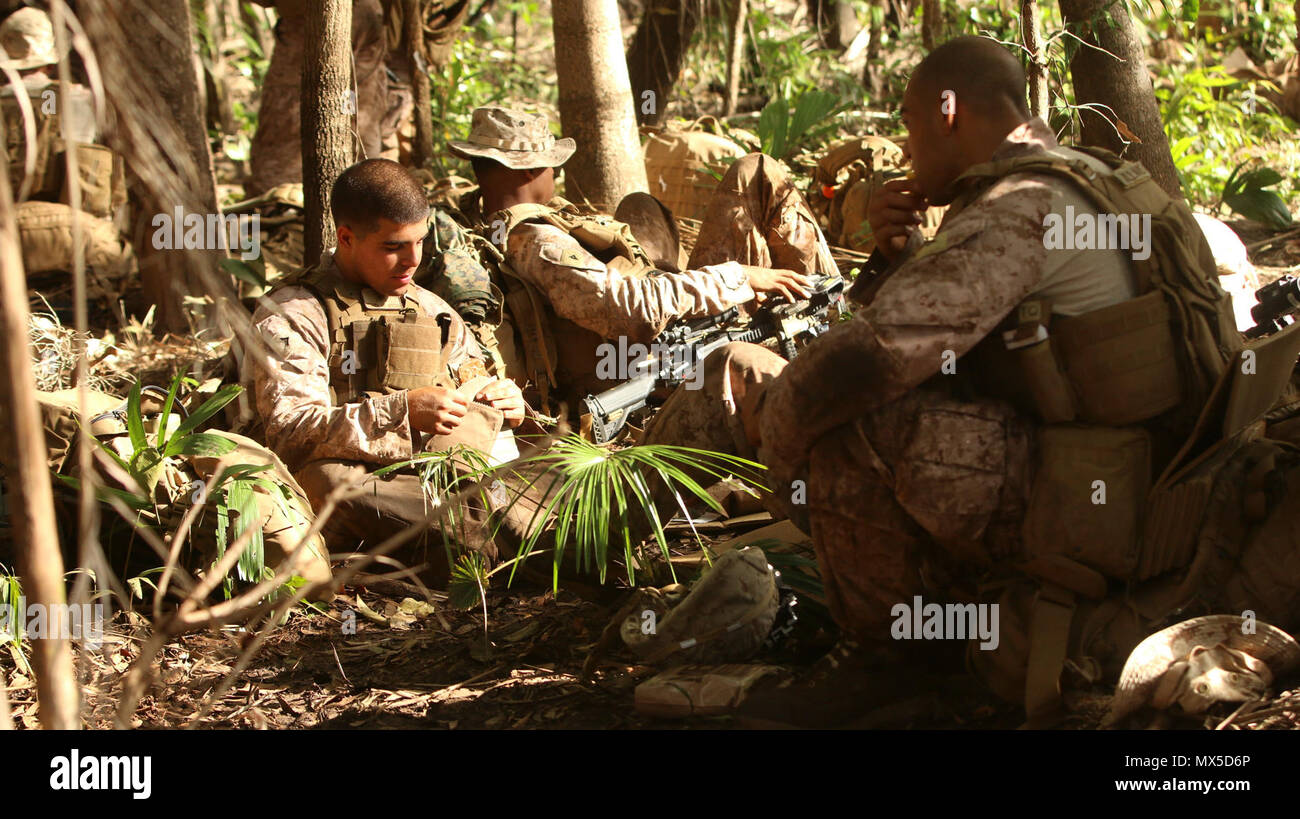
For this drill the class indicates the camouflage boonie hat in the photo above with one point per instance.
(516, 139)
(28, 40)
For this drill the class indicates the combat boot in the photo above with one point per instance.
(843, 689)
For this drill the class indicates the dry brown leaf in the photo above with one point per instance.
(1126, 132)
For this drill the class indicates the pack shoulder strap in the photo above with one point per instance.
(530, 312)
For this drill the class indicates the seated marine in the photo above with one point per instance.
(368, 369)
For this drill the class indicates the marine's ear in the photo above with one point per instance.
(346, 236)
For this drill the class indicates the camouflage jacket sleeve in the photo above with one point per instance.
(293, 397)
(947, 296)
(612, 303)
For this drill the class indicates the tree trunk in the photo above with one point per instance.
(326, 114)
(145, 50)
(254, 16)
(836, 22)
(220, 111)
(31, 501)
(1121, 84)
(735, 53)
(931, 23)
(654, 60)
(413, 49)
(1031, 28)
(596, 106)
(873, 77)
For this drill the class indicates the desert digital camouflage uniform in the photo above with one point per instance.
(327, 445)
(757, 217)
(276, 152)
(894, 455)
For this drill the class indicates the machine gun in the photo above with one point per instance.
(680, 349)
(1277, 301)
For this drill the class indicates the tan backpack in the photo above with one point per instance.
(683, 168)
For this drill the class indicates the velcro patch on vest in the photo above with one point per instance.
(1131, 174)
(575, 259)
(409, 354)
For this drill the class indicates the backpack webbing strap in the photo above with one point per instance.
(1049, 640)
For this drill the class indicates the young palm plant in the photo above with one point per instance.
(442, 475)
(597, 495)
(11, 591)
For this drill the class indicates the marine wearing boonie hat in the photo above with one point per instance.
(517, 139)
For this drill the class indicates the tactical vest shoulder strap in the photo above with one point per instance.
(1126, 187)
(531, 314)
(352, 355)
(1179, 263)
(597, 233)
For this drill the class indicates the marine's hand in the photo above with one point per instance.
(435, 410)
(505, 396)
(794, 286)
(893, 213)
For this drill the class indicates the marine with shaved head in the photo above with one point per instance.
(914, 427)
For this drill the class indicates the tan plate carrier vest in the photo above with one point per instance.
(378, 345)
(532, 314)
(1101, 382)
(382, 345)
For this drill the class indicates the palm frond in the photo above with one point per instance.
(594, 490)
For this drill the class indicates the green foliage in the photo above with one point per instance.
(252, 271)
(441, 475)
(468, 585)
(483, 71)
(1212, 120)
(11, 590)
(783, 131)
(1263, 28)
(598, 496)
(233, 494)
(1246, 194)
(790, 60)
(147, 458)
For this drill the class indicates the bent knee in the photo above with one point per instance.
(751, 166)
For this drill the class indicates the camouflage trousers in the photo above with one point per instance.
(276, 152)
(374, 509)
(758, 217)
(922, 496)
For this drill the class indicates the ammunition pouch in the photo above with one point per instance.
(1121, 361)
(1112, 367)
(1087, 498)
(99, 171)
